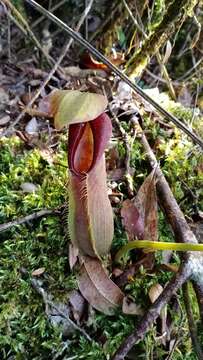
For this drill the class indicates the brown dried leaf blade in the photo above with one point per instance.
(97, 288)
(146, 204)
(140, 214)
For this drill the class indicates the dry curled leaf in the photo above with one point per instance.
(97, 288)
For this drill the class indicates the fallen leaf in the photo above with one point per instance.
(130, 307)
(139, 215)
(97, 288)
(146, 204)
(131, 220)
(32, 126)
(38, 272)
(77, 303)
(154, 292)
(29, 187)
(4, 120)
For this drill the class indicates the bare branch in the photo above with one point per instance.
(34, 216)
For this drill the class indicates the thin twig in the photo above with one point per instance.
(121, 75)
(48, 78)
(191, 323)
(34, 216)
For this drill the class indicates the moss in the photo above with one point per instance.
(172, 20)
(24, 326)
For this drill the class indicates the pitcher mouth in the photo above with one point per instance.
(87, 142)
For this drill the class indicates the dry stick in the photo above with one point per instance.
(158, 56)
(121, 75)
(191, 267)
(34, 216)
(191, 323)
(48, 58)
(48, 78)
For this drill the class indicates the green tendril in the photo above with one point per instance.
(156, 245)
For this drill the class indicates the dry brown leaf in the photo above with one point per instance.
(38, 271)
(140, 214)
(146, 203)
(132, 220)
(154, 292)
(97, 288)
(131, 308)
(4, 120)
(77, 303)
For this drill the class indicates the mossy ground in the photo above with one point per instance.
(25, 332)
